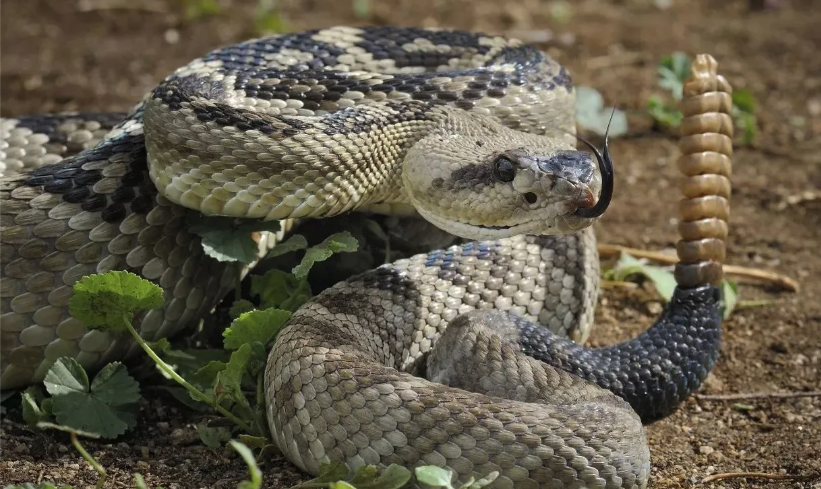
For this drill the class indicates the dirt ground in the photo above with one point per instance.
(104, 54)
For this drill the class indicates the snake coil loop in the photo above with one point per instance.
(706, 145)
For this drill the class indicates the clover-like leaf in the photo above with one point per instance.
(253, 326)
(230, 240)
(104, 300)
(106, 407)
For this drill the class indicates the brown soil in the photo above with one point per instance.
(58, 56)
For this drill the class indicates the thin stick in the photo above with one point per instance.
(757, 475)
(155, 6)
(757, 395)
(608, 250)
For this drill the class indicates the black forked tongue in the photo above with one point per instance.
(606, 168)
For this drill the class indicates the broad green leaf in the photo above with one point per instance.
(434, 476)
(280, 289)
(247, 359)
(106, 407)
(664, 280)
(239, 307)
(253, 470)
(228, 239)
(593, 116)
(335, 243)
(213, 437)
(253, 326)
(103, 300)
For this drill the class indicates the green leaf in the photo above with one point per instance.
(342, 485)
(593, 116)
(392, 477)
(253, 326)
(229, 239)
(106, 407)
(247, 360)
(328, 473)
(280, 289)
(295, 243)
(248, 456)
(673, 71)
(213, 437)
(103, 300)
(335, 243)
(664, 280)
(198, 9)
(268, 19)
(744, 100)
(33, 412)
(362, 9)
(482, 482)
(729, 288)
(253, 441)
(240, 306)
(667, 116)
(434, 476)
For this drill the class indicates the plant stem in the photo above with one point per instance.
(198, 394)
(91, 461)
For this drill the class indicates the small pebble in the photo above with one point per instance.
(706, 450)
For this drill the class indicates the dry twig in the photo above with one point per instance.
(608, 250)
(758, 475)
(156, 6)
(757, 395)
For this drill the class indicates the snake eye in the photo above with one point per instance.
(504, 169)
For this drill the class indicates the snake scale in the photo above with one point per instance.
(434, 359)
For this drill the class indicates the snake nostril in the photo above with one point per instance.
(531, 198)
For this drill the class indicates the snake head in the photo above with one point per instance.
(480, 180)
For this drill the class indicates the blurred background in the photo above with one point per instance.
(101, 55)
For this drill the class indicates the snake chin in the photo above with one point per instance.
(555, 226)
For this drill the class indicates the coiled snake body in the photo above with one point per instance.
(475, 133)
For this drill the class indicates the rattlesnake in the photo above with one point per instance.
(473, 132)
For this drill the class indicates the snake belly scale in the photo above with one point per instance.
(434, 359)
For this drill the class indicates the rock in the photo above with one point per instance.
(706, 450)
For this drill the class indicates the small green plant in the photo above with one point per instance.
(627, 267)
(268, 19)
(199, 9)
(673, 72)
